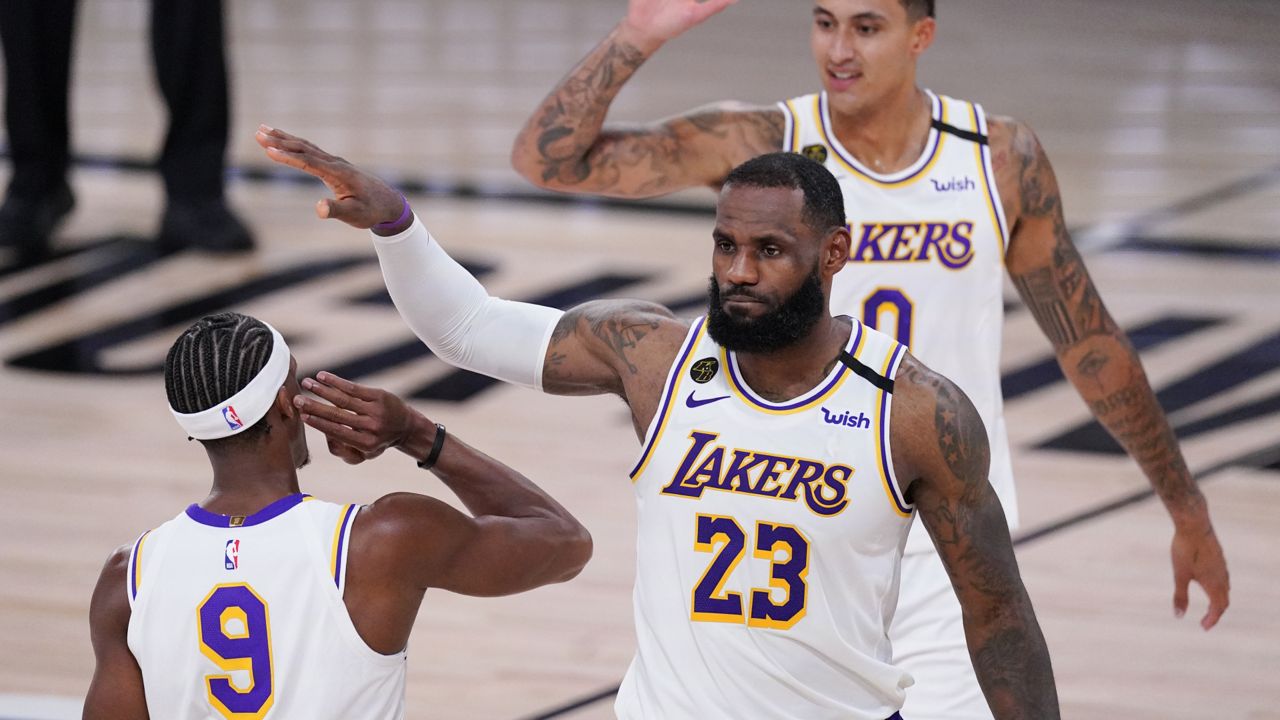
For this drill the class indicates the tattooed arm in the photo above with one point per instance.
(565, 145)
(940, 454)
(623, 347)
(1097, 357)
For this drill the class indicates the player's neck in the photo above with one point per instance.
(889, 135)
(244, 483)
(792, 371)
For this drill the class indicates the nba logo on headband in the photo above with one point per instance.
(248, 405)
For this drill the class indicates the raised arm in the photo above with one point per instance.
(115, 692)
(517, 537)
(940, 453)
(565, 144)
(606, 346)
(1098, 359)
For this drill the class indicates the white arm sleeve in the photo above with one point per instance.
(454, 315)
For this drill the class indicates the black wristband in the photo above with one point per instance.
(435, 449)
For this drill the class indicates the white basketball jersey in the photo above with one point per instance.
(927, 258)
(242, 617)
(770, 538)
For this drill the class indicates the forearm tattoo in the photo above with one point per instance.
(570, 118)
(573, 152)
(1095, 352)
(1130, 411)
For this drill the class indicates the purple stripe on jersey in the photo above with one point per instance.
(825, 117)
(204, 517)
(985, 149)
(666, 395)
(133, 570)
(793, 122)
(342, 536)
(805, 399)
(885, 462)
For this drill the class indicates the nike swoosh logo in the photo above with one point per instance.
(693, 402)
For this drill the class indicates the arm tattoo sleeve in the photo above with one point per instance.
(1060, 295)
(965, 520)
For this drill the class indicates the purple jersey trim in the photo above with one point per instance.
(694, 334)
(133, 565)
(803, 400)
(980, 125)
(342, 536)
(885, 463)
(204, 517)
(936, 136)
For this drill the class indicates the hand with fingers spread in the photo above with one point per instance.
(359, 199)
(657, 21)
(359, 422)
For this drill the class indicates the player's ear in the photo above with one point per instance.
(284, 403)
(922, 34)
(835, 250)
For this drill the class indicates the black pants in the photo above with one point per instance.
(187, 50)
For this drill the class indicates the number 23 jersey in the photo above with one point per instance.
(926, 261)
(770, 540)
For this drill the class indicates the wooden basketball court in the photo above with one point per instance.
(1161, 117)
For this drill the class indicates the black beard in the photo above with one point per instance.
(781, 327)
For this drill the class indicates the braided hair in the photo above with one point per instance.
(213, 360)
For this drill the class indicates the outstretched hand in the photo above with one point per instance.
(1197, 555)
(359, 199)
(359, 422)
(662, 20)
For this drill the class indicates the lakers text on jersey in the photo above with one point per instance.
(926, 259)
(770, 537)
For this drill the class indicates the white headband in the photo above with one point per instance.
(246, 407)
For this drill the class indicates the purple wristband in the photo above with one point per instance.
(398, 221)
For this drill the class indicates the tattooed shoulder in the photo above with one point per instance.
(957, 434)
(1024, 175)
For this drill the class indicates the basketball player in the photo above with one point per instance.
(785, 452)
(941, 199)
(260, 598)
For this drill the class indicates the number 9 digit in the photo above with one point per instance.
(235, 633)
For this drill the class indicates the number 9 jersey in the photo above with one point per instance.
(926, 261)
(242, 617)
(770, 540)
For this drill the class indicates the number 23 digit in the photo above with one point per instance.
(710, 601)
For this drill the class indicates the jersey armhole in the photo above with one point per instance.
(883, 425)
(132, 581)
(790, 126)
(670, 389)
(989, 185)
(341, 544)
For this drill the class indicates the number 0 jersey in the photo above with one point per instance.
(927, 258)
(242, 617)
(770, 538)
